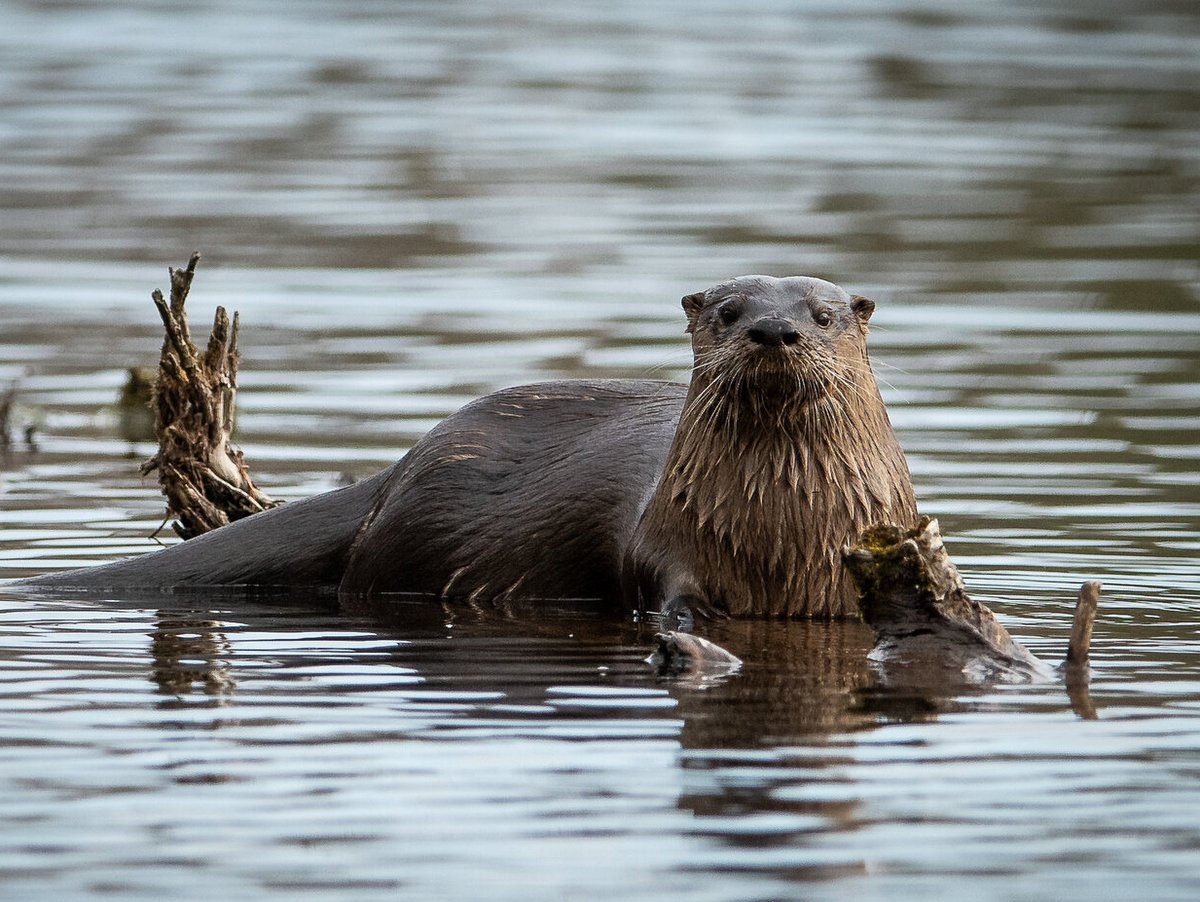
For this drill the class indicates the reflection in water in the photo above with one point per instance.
(414, 204)
(191, 654)
(1078, 683)
(799, 680)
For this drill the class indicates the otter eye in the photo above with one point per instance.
(728, 313)
(823, 318)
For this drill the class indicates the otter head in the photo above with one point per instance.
(798, 336)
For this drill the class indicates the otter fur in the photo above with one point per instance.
(731, 496)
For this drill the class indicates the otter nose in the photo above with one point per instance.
(773, 332)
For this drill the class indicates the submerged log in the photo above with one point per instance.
(201, 473)
(911, 595)
(680, 653)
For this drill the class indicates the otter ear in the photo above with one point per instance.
(862, 307)
(693, 304)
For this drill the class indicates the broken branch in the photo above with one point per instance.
(201, 473)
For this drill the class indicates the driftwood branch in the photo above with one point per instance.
(201, 473)
(911, 595)
(1081, 627)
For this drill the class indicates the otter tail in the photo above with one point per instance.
(302, 543)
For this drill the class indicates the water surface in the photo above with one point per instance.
(415, 204)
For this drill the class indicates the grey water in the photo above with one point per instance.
(411, 204)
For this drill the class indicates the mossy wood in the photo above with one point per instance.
(911, 595)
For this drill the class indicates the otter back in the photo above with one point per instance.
(529, 492)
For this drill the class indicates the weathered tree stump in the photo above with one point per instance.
(201, 473)
(911, 595)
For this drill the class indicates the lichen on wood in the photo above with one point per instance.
(201, 472)
(911, 595)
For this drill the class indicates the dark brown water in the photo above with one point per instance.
(415, 204)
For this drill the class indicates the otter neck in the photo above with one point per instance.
(768, 487)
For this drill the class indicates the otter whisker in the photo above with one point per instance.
(860, 392)
(867, 371)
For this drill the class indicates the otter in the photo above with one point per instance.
(733, 495)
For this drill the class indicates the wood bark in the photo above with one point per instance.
(201, 472)
(911, 595)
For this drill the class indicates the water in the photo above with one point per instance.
(415, 204)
